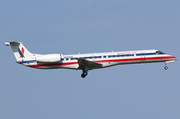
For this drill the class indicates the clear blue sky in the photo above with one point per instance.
(122, 92)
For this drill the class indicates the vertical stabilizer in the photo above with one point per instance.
(19, 50)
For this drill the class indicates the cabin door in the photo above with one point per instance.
(93, 58)
(143, 58)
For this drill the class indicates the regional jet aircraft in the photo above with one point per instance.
(86, 62)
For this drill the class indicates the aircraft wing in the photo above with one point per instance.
(91, 65)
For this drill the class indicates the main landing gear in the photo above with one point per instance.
(84, 74)
(85, 70)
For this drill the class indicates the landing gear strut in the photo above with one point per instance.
(165, 66)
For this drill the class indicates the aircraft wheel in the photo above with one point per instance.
(85, 73)
(82, 75)
(165, 67)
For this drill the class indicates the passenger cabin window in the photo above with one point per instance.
(113, 55)
(97, 56)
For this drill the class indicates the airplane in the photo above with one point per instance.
(86, 62)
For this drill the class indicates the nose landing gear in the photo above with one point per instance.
(165, 67)
(171, 61)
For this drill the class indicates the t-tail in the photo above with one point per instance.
(20, 52)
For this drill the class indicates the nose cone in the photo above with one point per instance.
(175, 58)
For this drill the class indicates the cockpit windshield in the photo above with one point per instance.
(159, 52)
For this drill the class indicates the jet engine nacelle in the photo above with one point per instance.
(49, 58)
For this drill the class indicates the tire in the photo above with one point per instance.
(82, 75)
(85, 73)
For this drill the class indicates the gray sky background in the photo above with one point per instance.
(126, 91)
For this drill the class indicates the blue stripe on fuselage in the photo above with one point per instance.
(30, 61)
(140, 54)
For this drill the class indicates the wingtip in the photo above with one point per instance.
(7, 44)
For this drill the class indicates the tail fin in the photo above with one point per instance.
(19, 50)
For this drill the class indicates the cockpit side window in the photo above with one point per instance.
(159, 52)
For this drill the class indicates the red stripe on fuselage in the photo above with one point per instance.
(103, 61)
(56, 64)
(136, 59)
